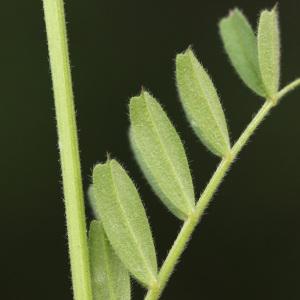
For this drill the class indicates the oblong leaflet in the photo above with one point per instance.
(110, 279)
(160, 154)
(201, 104)
(118, 205)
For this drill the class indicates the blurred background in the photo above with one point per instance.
(248, 244)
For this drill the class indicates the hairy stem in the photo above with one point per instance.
(192, 221)
(68, 146)
(291, 86)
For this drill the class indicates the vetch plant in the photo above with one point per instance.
(120, 242)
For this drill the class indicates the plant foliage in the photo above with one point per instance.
(122, 240)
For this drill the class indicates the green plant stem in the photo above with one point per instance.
(291, 86)
(68, 146)
(192, 221)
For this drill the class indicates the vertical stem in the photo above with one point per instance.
(68, 146)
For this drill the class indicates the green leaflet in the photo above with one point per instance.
(241, 46)
(160, 154)
(201, 103)
(110, 279)
(269, 50)
(117, 203)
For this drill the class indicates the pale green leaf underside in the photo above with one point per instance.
(269, 50)
(110, 279)
(241, 46)
(201, 103)
(118, 205)
(160, 154)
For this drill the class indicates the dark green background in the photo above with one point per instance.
(247, 246)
